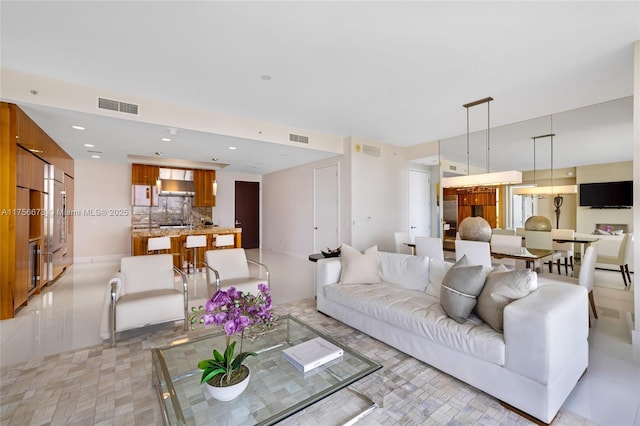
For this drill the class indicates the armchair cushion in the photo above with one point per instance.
(230, 264)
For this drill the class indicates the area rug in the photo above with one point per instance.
(101, 385)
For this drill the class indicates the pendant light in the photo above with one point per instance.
(552, 190)
(482, 179)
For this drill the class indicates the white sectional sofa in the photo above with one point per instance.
(532, 366)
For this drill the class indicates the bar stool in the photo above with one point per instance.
(158, 245)
(225, 240)
(194, 242)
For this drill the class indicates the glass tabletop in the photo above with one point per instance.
(521, 253)
(276, 390)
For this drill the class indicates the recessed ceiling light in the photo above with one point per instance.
(95, 156)
(158, 153)
(77, 127)
(89, 145)
(232, 147)
(215, 159)
(166, 139)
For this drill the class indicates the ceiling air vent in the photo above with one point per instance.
(118, 106)
(371, 150)
(298, 138)
(93, 151)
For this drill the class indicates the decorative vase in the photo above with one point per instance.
(475, 228)
(537, 223)
(228, 393)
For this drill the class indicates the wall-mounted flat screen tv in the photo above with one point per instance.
(607, 194)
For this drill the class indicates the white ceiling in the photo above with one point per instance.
(395, 72)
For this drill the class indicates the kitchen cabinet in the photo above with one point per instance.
(29, 170)
(143, 185)
(22, 277)
(203, 182)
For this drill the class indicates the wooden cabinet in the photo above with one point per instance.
(22, 277)
(203, 182)
(69, 189)
(143, 185)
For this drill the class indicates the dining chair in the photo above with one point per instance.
(586, 275)
(478, 252)
(401, 238)
(564, 249)
(226, 240)
(430, 247)
(506, 243)
(622, 259)
(544, 241)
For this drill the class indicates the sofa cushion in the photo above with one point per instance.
(411, 272)
(461, 286)
(422, 315)
(359, 268)
(500, 289)
(437, 270)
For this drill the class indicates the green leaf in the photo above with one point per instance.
(218, 356)
(210, 374)
(240, 359)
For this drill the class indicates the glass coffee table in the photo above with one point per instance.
(277, 389)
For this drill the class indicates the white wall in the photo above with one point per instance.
(379, 191)
(287, 206)
(105, 186)
(636, 189)
(586, 218)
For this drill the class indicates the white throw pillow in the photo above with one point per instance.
(404, 270)
(437, 270)
(359, 268)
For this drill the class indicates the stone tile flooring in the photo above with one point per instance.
(101, 385)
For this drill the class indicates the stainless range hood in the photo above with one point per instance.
(176, 182)
(174, 187)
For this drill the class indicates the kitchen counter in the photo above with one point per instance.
(173, 232)
(183, 257)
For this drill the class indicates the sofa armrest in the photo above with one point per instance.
(544, 330)
(327, 272)
(185, 295)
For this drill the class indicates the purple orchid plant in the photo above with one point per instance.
(235, 311)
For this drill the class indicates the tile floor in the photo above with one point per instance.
(67, 315)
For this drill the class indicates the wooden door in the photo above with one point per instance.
(247, 212)
(326, 203)
(21, 285)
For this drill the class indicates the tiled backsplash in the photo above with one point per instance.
(171, 210)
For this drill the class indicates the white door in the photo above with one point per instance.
(326, 195)
(419, 203)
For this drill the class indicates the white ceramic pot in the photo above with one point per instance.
(228, 393)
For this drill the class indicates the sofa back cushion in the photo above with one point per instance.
(404, 270)
(437, 270)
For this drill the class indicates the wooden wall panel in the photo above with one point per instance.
(7, 205)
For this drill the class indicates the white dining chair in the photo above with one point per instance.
(622, 259)
(158, 244)
(401, 238)
(506, 243)
(565, 250)
(430, 247)
(478, 252)
(226, 240)
(544, 241)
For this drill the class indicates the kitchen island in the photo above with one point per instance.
(182, 256)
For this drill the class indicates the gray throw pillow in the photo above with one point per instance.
(499, 290)
(461, 285)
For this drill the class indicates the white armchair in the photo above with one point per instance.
(230, 268)
(144, 293)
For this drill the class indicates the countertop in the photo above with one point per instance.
(168, 232)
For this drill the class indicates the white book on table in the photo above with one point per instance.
(312, 353)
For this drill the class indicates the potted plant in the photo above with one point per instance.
(225, 374)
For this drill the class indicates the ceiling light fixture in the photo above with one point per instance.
(78, 127)
(482, 179)
(553, 190)
(95, 156)
(232, 147)
(165, 139)
(89, 145)
(159, 153)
